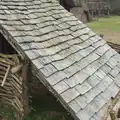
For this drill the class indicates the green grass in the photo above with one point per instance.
(48, 109)
(5, 112)
(111, 24)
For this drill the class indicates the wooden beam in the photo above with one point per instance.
(25, 74)
(113, 115)
(5, 77)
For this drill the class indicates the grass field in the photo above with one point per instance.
(109, 27)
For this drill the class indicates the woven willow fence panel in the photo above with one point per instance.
(12, 83)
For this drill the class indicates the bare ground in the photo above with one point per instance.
(113, 37)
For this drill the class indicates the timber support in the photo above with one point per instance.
(13, 84)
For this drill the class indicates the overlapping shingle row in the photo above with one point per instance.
(77, 64)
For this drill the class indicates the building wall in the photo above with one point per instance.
(115, 6)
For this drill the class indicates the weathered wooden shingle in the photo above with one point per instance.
(61, 87)
(70, 95)
(81, 101)
(75, 106)
(83, 88)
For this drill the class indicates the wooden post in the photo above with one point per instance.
(18, 117)
(25, 94)
(25, 74)
(6, 75)
(113, 115)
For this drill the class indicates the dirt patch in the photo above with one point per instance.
(111, 36)
(118, 22)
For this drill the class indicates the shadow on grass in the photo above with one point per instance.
(47, 108)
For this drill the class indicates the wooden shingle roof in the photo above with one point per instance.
(75, 64)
